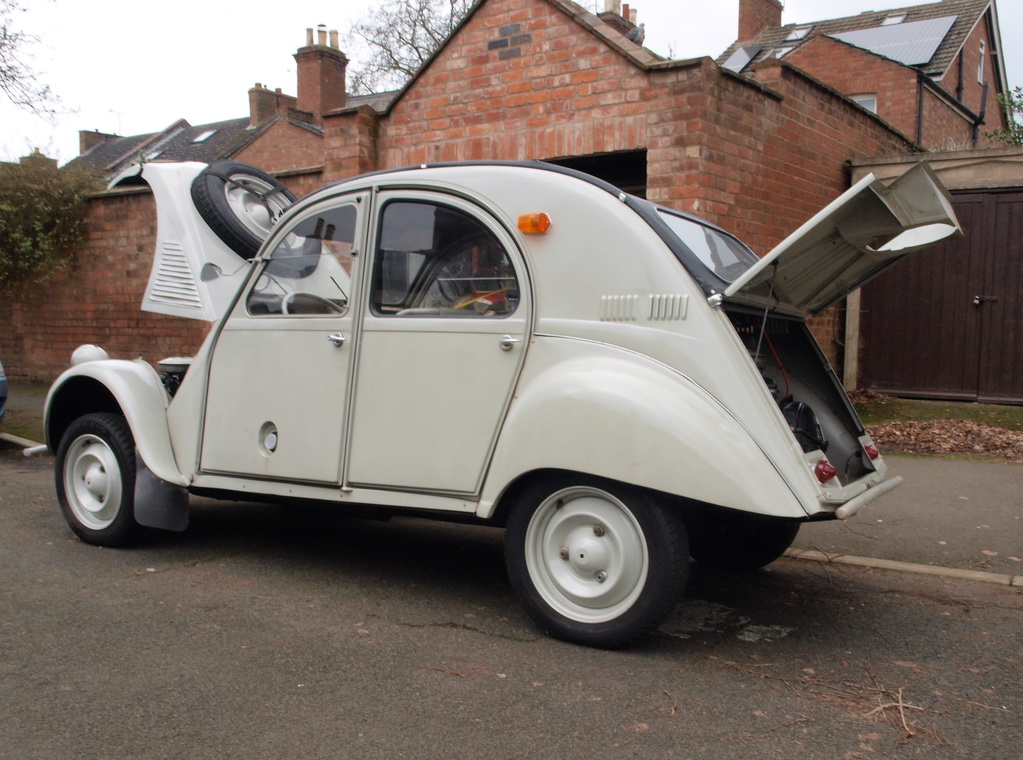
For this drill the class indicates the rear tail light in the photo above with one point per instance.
(824, 471)
(872, 451)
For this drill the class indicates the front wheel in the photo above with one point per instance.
(95, 478)
(595, 563)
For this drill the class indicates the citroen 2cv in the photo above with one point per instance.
(621, 386)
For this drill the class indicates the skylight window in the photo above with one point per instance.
(205, 136)
(799, 33)
(153, 154)
(895, 18)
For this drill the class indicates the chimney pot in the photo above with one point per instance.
(625, 11)
(321, 35)
(633, 15)
(309, 37)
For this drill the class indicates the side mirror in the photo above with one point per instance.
(210, 272)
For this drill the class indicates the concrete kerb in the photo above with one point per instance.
(979, 576)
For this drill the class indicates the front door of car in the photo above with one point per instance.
(443, 339)
(280, 369)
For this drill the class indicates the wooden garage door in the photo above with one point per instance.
(948, 323)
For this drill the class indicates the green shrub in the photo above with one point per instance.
(42, 218)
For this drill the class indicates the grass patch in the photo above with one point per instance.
(875, 408)
(24, 417)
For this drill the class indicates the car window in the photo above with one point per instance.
(435, 260)
(724, 255)
(309, 272)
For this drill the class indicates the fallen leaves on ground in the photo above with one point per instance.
(948, 437)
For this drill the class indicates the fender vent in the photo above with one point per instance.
(670, 307)
(173, 282)
(618, 308)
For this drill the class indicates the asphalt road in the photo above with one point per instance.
(268, 632)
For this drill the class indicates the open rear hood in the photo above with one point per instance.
(860, 234)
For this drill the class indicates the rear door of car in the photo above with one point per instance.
(443, 339)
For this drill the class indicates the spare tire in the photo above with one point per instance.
(240, 204)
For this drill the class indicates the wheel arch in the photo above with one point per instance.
(627, 420)
(130, 389)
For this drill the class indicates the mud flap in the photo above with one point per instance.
(159, 504)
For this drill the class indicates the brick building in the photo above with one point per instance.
(757, 151)
(933, 71)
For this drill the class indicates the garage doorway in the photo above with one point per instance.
(625, 170)
(946, 323)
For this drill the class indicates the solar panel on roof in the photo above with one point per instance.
(738, 60)
(913, 44)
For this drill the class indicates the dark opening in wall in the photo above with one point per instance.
(626, 170)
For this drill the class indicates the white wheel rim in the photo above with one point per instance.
(255, 204)
(92, 482)
(586, 555)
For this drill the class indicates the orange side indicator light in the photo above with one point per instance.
(534, 224)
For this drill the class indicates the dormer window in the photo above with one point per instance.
(799, 33)
(895, 18)
(204, 136)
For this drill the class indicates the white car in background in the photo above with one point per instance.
(622, 386)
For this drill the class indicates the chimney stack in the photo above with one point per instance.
(757, 15)
(321, 73)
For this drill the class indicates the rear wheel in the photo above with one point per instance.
(739, 541)
(595, 563)
(95, 478)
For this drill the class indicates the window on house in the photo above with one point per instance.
(980, 63)
(866, 100)
(204, 136)
(434, 260)
(895, 18)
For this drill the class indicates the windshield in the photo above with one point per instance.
(721, 253)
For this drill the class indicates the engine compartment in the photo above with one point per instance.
(806, 389)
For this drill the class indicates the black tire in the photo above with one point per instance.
(95, 478)
(739, 541)
(240, 204)
(565, 533)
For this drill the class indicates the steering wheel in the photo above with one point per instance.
(469, 300)
(292, 297)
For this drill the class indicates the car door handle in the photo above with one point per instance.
(978, 300)
(337, 338)
(507, 342)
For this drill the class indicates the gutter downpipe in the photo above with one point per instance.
(920, 107)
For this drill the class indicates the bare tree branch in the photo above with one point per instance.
(17, 80)
(400, 36)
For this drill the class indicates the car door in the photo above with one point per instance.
(280, 369)
(443, 339)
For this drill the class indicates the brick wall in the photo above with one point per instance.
(97, 300)
(284, 147)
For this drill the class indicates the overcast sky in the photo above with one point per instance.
(131, 67)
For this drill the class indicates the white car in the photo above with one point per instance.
(622, 386)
